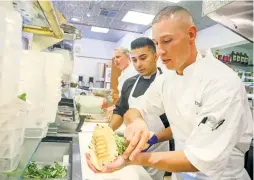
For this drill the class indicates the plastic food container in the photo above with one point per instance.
(11, 135)
(11, 148)
(11, 120)
(36, 132)
(9, 164)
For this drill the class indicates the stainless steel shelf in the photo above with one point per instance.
(237, 64)
(28, 149)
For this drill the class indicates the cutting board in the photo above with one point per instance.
(127, 173)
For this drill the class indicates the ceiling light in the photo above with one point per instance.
(138, 18)
(75, 19)
(99, 30)
(174, 1)
(88, 14)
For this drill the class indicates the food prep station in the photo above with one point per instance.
(59, 129)
(66, 142)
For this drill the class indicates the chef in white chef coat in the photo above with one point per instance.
(205, 102)
(122, 60)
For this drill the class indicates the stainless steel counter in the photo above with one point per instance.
(74, 151)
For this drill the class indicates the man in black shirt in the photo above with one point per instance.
(144, 58)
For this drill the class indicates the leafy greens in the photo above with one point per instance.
(120, 142)
(48, 171)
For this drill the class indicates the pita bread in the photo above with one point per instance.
(103, 148)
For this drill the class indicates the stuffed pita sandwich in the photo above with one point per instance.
(106, 146)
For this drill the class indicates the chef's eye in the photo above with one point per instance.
(167, 41)
(143, 57)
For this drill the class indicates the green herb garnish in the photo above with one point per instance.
(48, 171)
(22, 96)
(120, 142)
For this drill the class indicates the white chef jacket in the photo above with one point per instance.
(125, 74)
(207, 88)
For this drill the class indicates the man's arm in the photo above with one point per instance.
(165, 135)
(131, 115)
(116, 122)
(172, 161)
(150, 103)
(137, 133)
(121, 108)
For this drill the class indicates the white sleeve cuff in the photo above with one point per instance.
(211, 169)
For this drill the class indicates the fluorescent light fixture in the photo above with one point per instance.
(174, 1)
(99, 29)
(138, 18)
(74, 19)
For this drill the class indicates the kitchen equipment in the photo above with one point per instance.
(103, 92)
(89, 105)
(232, 14)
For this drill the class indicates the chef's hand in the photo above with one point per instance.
(153, 140)
(137, 134)
(119, 163)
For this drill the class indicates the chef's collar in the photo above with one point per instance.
(126, 69)
(149, 77)
(189, 69)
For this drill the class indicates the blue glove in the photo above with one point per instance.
(153, 140)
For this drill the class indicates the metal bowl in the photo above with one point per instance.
(101, 92)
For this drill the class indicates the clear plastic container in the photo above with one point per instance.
(36, 132)
(9, 76)
(9, 164)
(11, 27)
(11, 135)
(35, 117)
(10, 45)
(12, 120)
(11, 148)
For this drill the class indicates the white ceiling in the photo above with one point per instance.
(118, 29)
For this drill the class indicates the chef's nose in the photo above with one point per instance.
(139, 64)
(160, 51)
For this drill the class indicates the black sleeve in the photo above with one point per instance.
(122, 104)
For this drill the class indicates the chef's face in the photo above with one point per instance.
(120, 59)
(144, 60)
(174, 41)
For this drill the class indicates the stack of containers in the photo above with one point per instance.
(12, 119)
(40, 77)
(12, 110)
(53, 74)
(32, 81)
(10, 47)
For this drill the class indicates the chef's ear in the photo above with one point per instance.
(192, 33)
(156, 56)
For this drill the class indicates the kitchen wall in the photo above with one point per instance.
(88, 53)
(94, 48)
(217, 36)
(87, 67)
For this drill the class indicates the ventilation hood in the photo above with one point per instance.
(233, 14)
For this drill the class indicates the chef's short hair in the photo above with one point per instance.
(123, 50)
(168, 11)
(142, 42)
